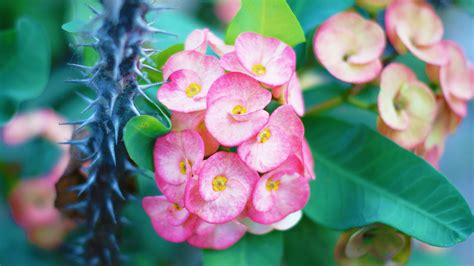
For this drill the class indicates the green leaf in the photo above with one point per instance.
(312, 13)
(25, 60)
(265, 250)
(363, 178)
(310, 244)
(140, 135)
(272, 18)
(8, 108)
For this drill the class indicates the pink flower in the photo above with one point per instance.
(306, 158)
(274, 142)
(415, 26)
(456, 79)
(50, 235)
(177, 156)
(446, 122)
(284, 224)
(407, 107)
(226, 9)
(195, 121)
(198, 40)
(291, 93)
(190, 74)
(217, 236)
(170, 220)
(235, 108)
(267, 60)
(278, 193)
(349, 46)
(222, 188)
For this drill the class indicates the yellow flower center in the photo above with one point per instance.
(177, 207)
(272, 185)
(259, 69)
(182, 166)
(193, 89)
(239, 110)
(264, 135)
(219, 183)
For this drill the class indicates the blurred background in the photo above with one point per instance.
(36, 154)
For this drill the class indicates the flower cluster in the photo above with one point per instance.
(228, 166)
(32, 200)
(412, 114)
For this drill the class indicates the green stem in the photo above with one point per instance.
(326, 105)
(361, 104)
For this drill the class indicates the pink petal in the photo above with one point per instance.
(175, 149)
(228, 92)
(195, 120)
(285, 132)
(206, 67)
(217, 236)
(393, 77)
(306, 157)
(216, 206)
(349, 46)
(231, 63)
(255, 228)
(175, 94)
(217, 45)
(277, 57)
(174, 193)
(270, 206)
(455, 75)
(197, 41)
(158, 209)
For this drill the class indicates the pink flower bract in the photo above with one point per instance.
(265, 59)
(222, 188)
(235, 108)
(198, 40)
(349, 46)
(170, 220)
(274, 142)
(217, 236)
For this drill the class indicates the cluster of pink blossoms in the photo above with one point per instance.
(228, 166)
(32, 200)
(411, 113)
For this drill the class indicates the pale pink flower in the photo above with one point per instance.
(50, 235)
(198, 40)
(306, 157)
(272, 145)
(177, 156)
(169, 219)
(278, 193)
(265, 59)
(415, 26)
(226, 9)
(407, 107)
(222, 188)
(446, 122)
(350, 46)
(455, 78)
(284, 224)
(290, 93)
(190, 75)
(217, 236)
(195, 121)
(235, 108)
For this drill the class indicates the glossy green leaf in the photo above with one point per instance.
(265, 250)
(272, 18)
(312, 13)
(362, 178)
(25, 60)
(310, 244)
(140, 135)
(8, 108)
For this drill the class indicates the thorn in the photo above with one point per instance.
(116, 189)
(89, 106)
(111, 145)
(89, 121)
(76, 206)
(150, 67)
(79, 81)
(83, 67)
(84, 97)
(141, 75)
(71, 123)
(114, 242)
(110, 210)
(116, 125)
(95, 11)
(96, 216)
(147, 86)
(158, 31)
(92, 45)
(74, 142)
